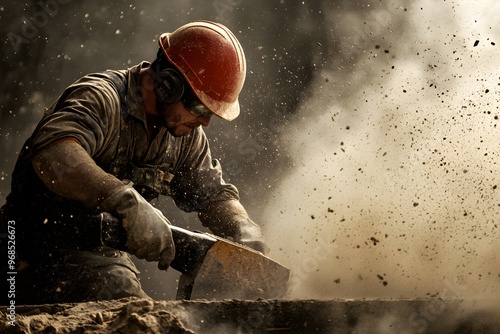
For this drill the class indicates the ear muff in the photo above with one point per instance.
(168, 85)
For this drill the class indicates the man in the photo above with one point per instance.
(112, 142)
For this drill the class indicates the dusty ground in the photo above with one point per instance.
(262, 316)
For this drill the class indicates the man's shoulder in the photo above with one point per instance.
(104, 79)
(97, 84)
(116, 78)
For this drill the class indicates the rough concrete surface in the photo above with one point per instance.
(260, 316)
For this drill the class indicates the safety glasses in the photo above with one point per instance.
(195, 107)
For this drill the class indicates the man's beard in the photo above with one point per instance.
(173, 122)
(180, 130)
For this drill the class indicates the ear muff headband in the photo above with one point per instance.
(168, 85)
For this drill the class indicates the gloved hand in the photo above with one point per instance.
(250, 235)
(229, 219)
(148, 234)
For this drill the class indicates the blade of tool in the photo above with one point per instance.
(230, 270)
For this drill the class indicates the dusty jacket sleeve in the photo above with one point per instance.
(198, 180)
(85, 112)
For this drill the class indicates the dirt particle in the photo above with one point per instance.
(382, 279)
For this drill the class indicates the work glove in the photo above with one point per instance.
(148, 234)
(229, 220)
(249, 234)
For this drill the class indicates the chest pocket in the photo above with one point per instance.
(149, 180)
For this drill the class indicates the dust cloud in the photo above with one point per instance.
(394, 189)
(395, 185)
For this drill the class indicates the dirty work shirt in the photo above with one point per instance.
(90, 112)
(112, 129)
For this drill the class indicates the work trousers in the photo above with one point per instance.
(66, 276)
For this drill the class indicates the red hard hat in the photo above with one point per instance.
(212, 61)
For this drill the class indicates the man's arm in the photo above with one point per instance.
(229, 219)
(198, 186)
(69, 171)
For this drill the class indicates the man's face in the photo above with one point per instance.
(178, 120)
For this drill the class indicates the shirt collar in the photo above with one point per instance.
(134, 97)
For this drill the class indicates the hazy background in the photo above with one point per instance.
(367, 147)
